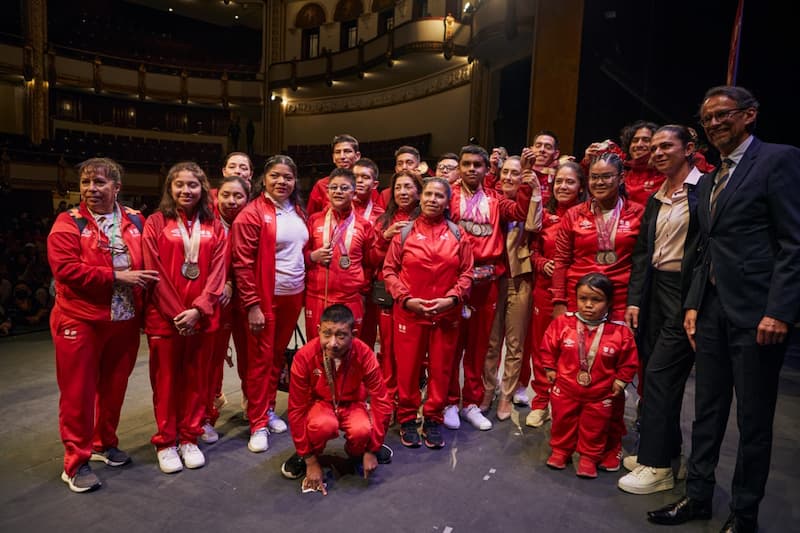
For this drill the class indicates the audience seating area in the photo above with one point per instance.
(132, 32)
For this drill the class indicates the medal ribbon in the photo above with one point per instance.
(368, 211)
(606, 229)
(346, 227)
(587, 360)
(476, 208)
(191, 244)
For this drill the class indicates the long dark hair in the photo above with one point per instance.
(552, 203)
(168, 206)
(386, 218)
(280, 159)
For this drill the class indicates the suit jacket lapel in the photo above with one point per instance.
(735, 180)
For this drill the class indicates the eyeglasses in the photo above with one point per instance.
(446, 168)
(719, 116)
(602, 177)
(342, 188)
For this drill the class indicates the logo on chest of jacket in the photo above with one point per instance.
(267, 219)
(401, 328)
(70, 334)
(316, 372)
(87, 233)
(569, 343)
(134, 231)
(585, 224)
(624, 225)
(608, 351)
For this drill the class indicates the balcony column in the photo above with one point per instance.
(554, 72)
(274, 31)
(36, 84)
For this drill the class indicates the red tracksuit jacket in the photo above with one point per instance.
(616, 357)
(431, 263)
(358, 376)
(253, 237)
(641, 180)
(173, 293)
(343, 283)
(83, 271)
(576, 250)
(490, 250)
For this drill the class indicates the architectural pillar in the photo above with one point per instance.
(36, 84)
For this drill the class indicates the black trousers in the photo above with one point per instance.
(667, 368)
(729, 360)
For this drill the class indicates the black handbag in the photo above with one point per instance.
(380, 296)
(299, 340)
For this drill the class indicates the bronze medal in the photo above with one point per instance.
(467, 225)
(190, 270)
(584, 378)
(344, 261)
(611, 257)
(600, 258)
(477, 230)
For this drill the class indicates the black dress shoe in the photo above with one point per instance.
(681, 511)
(739, 524)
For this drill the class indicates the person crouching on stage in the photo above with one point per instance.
(95, 254)
(268, 241)
(231, 199)
(427, 315)
(589, 360)
(330, 376)
(186, 245)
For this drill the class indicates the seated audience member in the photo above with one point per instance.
(330, 376)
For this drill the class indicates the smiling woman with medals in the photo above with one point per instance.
(186, 245)
(599, 236)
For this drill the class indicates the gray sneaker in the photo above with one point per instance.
(111, 457)
(84, 479)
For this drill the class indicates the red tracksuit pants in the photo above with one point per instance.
(540, 318)
(286, 309)
(179, 368)
(386, 356)
(323, 424)
(413, 338)
(93, 363)
(579, 425)
(315, 306)
(241, 332)
(369, 326)
(222, 338)
(474, 341)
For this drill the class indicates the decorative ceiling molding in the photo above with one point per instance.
(437, 83)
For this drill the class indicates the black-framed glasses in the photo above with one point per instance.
(603, 177)
(720, 116)
(342, 188)
(446, 168)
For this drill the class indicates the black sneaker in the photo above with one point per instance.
(111, 457)
(409, 436)
(294, 467)
(84, 479)
(384, 455)
(432, 432)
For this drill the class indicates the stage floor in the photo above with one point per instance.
(480, 482)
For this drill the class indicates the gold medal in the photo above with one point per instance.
(584, 378)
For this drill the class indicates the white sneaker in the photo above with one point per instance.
(451, 420)
(474, 416)
(521, 396)
(537, 417)
(168, 460)
(276, 423)
(191, 455)
(631, 462)
(647, 480)
(210, 435)
(259, 441)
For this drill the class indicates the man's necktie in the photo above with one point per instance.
(720, 181)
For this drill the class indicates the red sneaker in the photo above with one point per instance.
(612, 461)
(558, 460)
(586, 468)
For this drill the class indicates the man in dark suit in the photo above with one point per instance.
(741, 305)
